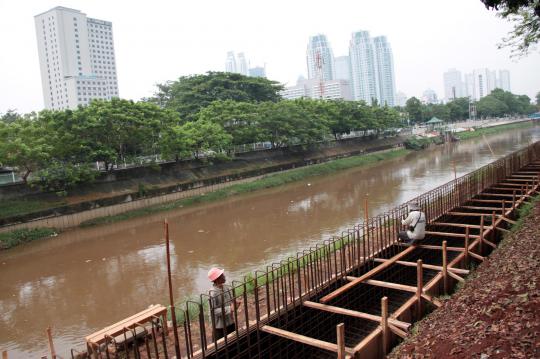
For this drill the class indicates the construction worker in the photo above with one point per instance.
(221, 304)
(416, 222)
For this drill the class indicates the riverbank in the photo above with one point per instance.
(491, 130)
(495, 314)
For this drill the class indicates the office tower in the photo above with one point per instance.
(76, 56)
(320, 59)
(230, 62)
(484, 81)
(363, 68)
(257, 71)
(504, 80)
(342, 68)
(453, 85)
(384, 65)
(242, 64)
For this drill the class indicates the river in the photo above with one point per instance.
(86, 279)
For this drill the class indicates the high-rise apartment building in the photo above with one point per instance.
(504, 80)
(77, 59)
(317, 89)
(320, 59)
(257, 71)
(453, 85)
(242, 64)
(363, 71)
(384, 65)
(230, 62)
(343, 68)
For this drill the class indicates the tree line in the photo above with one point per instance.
(194, 116)
(498, 103)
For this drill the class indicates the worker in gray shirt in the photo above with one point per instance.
(221, 304)
(416, 222)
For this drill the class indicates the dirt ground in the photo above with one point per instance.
(497, 312)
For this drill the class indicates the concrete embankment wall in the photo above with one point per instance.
(280, 160)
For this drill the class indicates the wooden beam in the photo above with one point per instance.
(426, 266)
(367, 340)
(354, 313)
(432, 300)
(494, 195)
(508, 220)
(302, 339)
(365, 276)
(477, 256)
(397, 331)
(485, 200)
(428, 246)
(4, 354)
(481, 208)
(419, 287)
(51, 343)
(379, 283)
(445, 267)
(469, 214)
(456, 277)
(340, 333)
(449, 234)
(384, 325)
(459, 225)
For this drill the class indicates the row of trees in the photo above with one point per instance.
(195, 115)
(498, 103)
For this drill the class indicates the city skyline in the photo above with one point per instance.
(147, 55)
(475, 84)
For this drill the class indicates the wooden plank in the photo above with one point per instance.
(456, 277)
(397, 331)
(303, 339)
(449, 234)
(419, 288)
(460, 225)
(384, 325)
(117, 328)
(426, 266)
(365, 276)
(428, 246)
(354, 313)
(367, 340)
(433, 300)
(482, 208)
(508, 220)
(485, 200)
(495, 195)
(379, 283)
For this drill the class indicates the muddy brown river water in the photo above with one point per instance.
(86, 279)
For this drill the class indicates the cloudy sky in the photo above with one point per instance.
(160, 40)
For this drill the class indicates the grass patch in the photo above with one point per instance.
(491, 130)
(270, 181)
(11, 207)
(523, 212)
(24, 235)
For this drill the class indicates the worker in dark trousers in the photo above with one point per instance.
(221, 304)
(416, 223)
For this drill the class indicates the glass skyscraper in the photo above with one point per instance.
(320, 59)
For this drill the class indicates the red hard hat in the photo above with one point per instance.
(215, 273)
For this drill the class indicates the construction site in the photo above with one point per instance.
(353, 296)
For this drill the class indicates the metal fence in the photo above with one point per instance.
(275, 294)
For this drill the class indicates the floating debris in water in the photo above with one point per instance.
(88, 261)
(201, 231)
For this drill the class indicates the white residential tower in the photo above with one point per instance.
(77, 59)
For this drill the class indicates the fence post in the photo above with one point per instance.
(467, 247)
(445, 267)
(51, 344)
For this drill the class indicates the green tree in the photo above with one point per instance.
(189, 94)
(413, 107)
(458, 109)
(525, 16)
(10, 116)
(490, 106)
(25, 146)
(538, 99)
(239, 119)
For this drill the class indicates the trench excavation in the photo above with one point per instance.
(356, 295)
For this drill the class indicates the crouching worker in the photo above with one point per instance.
(221, 304)
(416, 222)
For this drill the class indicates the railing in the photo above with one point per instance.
(270, 295)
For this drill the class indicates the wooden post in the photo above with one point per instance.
(467, 247)
(4, 354)
(455, 172)
(445, 267)
(366, 209)
(384, 325)
(340, 330)
(171, 298)
(419, 288)
(514, 200)
(51, 344)
(493, 220)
